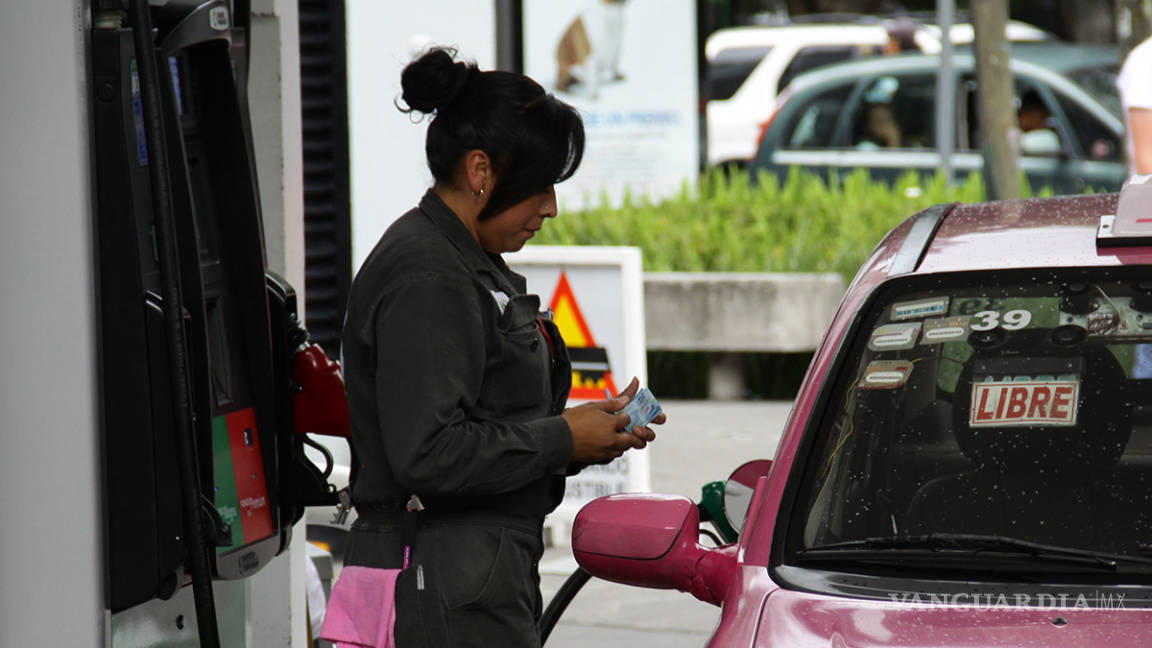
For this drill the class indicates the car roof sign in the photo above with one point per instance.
(1131, 225)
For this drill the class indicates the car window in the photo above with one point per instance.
(730, 68)
(896, 112)
(814, 125)
(1040, 134)
(1007, 404)
(808, 58)
(1096, 140)
(1100, 83)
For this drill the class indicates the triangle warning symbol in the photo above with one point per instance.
(591, 374)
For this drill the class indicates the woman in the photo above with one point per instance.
(456, 382)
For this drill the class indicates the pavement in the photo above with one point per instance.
(703, 441)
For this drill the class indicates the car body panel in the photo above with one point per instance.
(802, 620)
(969, 240)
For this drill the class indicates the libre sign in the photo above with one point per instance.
(1001, 404)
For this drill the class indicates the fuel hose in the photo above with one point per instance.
(560, 601)
(158, 173)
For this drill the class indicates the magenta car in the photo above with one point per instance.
(969, 459)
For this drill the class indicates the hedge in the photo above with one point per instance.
(725, 223)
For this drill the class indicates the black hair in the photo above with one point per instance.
(533, 139)
(1031, 100)
(903, 31)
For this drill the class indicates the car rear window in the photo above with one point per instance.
(1010, 404)
(731, 67)
(809, 58)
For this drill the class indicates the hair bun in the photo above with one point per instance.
(434, 80)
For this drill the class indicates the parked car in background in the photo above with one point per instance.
(968, 461)
(749, 66)
(880, 115)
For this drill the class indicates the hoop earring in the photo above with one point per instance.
(477, 195)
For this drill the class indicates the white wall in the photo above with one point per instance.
(50, 518)
(274, 598)
(389, 172)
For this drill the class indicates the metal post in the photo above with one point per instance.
(509, 37)
(945, 90)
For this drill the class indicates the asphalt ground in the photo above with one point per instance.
(702, 441)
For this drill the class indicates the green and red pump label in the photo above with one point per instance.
(241, 490)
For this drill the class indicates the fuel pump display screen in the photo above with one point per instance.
(241, 492)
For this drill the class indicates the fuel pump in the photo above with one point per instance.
(204, 362)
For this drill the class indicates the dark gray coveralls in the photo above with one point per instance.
(456, 398)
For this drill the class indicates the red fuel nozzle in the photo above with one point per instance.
(321, 406)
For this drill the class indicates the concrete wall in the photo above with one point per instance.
(739, 312)
(728, 313)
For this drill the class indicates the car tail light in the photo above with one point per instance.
(781, 99)
(764, 128)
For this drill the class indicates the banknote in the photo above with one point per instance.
(642, 409)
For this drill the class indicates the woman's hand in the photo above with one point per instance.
(600, 431)
(645, 434)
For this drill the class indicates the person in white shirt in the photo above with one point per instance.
(1135, 86)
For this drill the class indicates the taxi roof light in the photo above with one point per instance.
(1131, 225)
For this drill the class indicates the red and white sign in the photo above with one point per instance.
(1000, 404)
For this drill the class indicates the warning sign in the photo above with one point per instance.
(591, 372)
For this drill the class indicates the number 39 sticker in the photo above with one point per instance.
(1013, 320)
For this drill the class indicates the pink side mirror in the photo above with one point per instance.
(651, 540)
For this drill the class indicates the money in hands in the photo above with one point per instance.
(642, 409)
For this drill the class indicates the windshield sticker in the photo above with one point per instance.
(886, 374)
(945, 329)
(894, 337)
(1024, 402)
(1012, 320)
(920, 308)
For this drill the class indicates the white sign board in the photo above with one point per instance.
(630, 68)
(597, 298)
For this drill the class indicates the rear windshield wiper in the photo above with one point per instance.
(964, 546)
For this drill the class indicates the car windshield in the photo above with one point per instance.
(1013, 409)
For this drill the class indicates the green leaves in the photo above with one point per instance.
(726, 223)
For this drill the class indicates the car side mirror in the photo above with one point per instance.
(650, 540)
